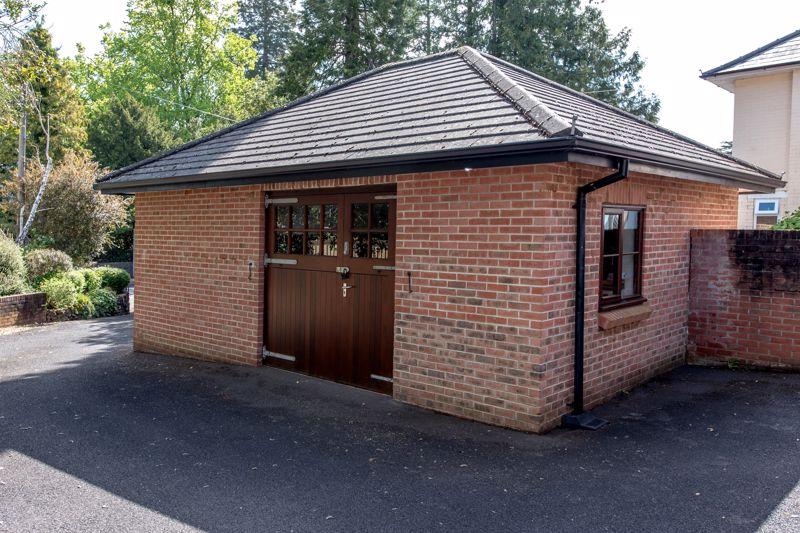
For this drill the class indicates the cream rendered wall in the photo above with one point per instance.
(766, 132)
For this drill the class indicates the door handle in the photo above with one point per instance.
(345, 286)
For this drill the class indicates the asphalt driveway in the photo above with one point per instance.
(95, 437)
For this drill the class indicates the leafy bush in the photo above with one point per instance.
(104, 301)
(792, 222)
(115, 279)
(60, 292)
(45, 263)
(76, 278)
(12, 267)
(91, 279)
(83, 307)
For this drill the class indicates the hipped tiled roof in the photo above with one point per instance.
(459, 100)
(781, 52)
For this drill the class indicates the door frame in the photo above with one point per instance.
(389, 189)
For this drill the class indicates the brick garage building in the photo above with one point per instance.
(413, 230)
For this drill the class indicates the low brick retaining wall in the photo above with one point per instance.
(745, 298)
(21, 309)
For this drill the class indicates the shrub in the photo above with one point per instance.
(104, 301)
(91, 279)
(76, 278)
(45, 263)
(791, 222)
(60, 292)
(83, 307)
(115, 279)
(12, 267)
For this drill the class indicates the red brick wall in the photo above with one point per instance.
(21, 309)
(195, 295)
(745, 298)
(486, 330)
(621, 358)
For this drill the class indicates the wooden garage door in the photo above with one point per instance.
(330, 286)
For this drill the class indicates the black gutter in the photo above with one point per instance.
(579, 418)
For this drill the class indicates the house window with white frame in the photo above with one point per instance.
(766, 213)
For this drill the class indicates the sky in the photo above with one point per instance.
(677, 38)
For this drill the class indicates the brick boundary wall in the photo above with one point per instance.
(21, 309)
(745, 298)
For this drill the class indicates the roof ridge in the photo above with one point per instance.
(274, 111)
(630, 115)
(533, 109)
(749, 55)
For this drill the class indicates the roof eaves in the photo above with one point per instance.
(717, 70)
(534, 110)
(293, 103)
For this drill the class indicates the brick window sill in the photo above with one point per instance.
(622, 317)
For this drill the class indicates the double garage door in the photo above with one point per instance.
(330, 286)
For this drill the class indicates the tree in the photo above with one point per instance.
(269, 23)
(338, 39)
(74, 217)
(568, 42)
(123, 131)
(180, 58)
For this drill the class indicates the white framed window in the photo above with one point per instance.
(766, 212)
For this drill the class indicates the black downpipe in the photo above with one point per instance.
(578, 418)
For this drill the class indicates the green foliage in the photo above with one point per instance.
(91, 279)
(76, 278)
(115, 279)
(123, 131)
(269, 24)
(45, 263)
(792, 222)
(60, 292)
(75, 218)
(338, 39)
(104, 301)
(179, 57)
(12, 267)
(83, 306)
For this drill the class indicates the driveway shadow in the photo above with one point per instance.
(171, 443)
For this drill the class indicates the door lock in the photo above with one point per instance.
(344, 272)
(345, 286)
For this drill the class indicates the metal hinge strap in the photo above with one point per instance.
(274, 261)
(383, 267)
(276, 355)
(268, 201)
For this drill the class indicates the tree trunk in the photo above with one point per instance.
(23, 142)
(351, 38)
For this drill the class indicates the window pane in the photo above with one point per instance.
(360, 245)
(630, 232)
(312, 244)
(380, 216)
(299, 217)
(331, 216)
(608, 284)
(296, 246)
(281, 242)
(282, 216)
(329, 244)
(379, 244)
(767, 207)
(629, 267)
(766, 222)
(610, 234)
(360, 213)
(314, 216)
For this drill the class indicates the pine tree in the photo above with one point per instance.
(125, 131)
(270, 24)
(338, 39)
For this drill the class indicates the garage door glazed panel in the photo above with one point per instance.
(330, 287)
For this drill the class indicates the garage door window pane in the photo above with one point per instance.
(296, 246)
(298, 217)
(360, 214)
(329, 247)
(314, 216)
(331, 216)
(379, 243)
(360, 244)
(380, 216)
(282, 216)
(312, 244)
(281, 242)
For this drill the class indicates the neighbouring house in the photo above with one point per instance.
(766, 124)
(452, 230)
